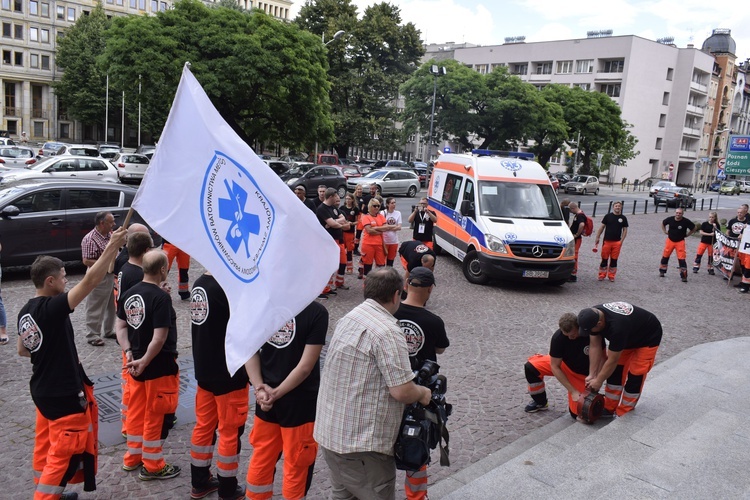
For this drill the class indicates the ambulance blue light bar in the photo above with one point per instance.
(509, 154)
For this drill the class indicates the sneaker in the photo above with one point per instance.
(744, 290)
(130, 468)
(323, 296)
(695, 270)
(608, 414)
(684, 279)
(711, 272)
(69, 495)
(534, 407)
(166, 472)
(237, 495)
(662, 274)
(601, 278)
(332, 292)
(612, 280)
(342, 287)
(573, 278)
(203, 491)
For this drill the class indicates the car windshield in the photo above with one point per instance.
(518, 199)
(9, 192)
(728, 184)
(579, 178)
(83, 152)
(378, 174)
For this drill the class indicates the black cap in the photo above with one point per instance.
(587, 319)
(421, 277)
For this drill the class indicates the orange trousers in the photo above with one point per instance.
(226, 413)
(348, 241)
(269, 442)
(125, 375)
(575, 262)
(372, 253)
(543, 364)
(183, 265)
(624, 386)
(415, 484)
(150, 416)
(610, 254)
(62, 447)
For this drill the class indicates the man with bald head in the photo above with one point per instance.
(147, 333)
(123, 256)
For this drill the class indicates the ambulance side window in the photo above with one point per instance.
(451, 191)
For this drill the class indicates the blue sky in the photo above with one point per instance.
(488, 22)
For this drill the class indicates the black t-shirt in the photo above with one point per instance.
(57, 376)
(310, 204)
(209, 315)
(707, 227)
(573, 352)
(424, 332)
(129, 276)
(317, 201)
(735, 226)
(120, 260)
(147, 307)
(566, 214)
(324, 212)
(281, 354)
(613, 225)
(423, 226)
(351, 215)
(579, 218)
(629, 327)
(677, 230)
(364, 202)
(412, 252)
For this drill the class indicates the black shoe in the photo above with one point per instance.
(662, 274)
(69, 495)
(711, 272)
(323, 296)
(356, 252)
(332, 292)
(695, 270)
(744, 290)
(238, 494)
(203, 491)
(608, 414)
(534, 407)
(684, 279)
(342, 287)
(738, 285)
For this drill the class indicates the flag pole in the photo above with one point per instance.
(125, 224)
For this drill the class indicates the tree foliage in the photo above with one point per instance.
(266, 78)
(367, 65)
(82, 87)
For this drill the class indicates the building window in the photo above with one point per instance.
(34, 60)
(71, 14)
(670, 74)
(45, 62)
(612, 90)
(584, 86)
(163, 6)
(519, 69)
(616, 66)
(544, 68)
(119, 2)
(7, 56)
(665, 99)
(45, 36)
(133, 4)
(497, 65)
(60, 12)
(38, 129)
(18, 58)
(7, 30)
(585, 66)
(34, 7)
(110, 1)
(658, 143)
(45, 9)
(13, 127)
(18, 5)
(10, 98)
(64, 131)
(564, 67)
(481, 68)
(142, 4)
(6, 4)
(154, 5)
(18, 31)
(662, 120)
(34, 34)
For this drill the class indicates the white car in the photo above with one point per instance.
(16, 156)
(78, 150)
(65, 167)
(388, 182)
(660, 185)
(582, 184)
(744, 186)
(130, 166)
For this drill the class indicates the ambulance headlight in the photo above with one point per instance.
(495, 244)
(570, 249)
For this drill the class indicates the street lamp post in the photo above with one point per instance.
(435, 70)
(139, 110)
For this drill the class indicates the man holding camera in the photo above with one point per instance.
(423, 219)
(426, 338)
(366, 381)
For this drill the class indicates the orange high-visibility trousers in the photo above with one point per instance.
(543, 364)
(226, 413)
(64, 449)
(150, 415)
(415, 484)
(269, 441)
(183, 265)
(621, 396)
(125, 375)
(610, 254)
(372, 253)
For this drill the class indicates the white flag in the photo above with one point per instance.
(209, 194)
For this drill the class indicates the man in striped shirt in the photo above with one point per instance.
(100, 304)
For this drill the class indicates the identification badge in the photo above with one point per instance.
(421, 228)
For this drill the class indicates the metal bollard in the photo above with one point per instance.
(635, 203)
(593, 214)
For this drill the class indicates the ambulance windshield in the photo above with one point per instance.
(519, 200)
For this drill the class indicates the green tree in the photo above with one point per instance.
(82, 87)
(549, 130)
(265, 77)
(367, 65)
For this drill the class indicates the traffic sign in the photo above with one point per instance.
(738, 155)
(722, 162)
(720, 175)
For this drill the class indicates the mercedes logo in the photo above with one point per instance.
(537, 251)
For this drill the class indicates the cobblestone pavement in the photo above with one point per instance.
(492, 329)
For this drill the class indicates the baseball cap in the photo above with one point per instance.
(421, 277)
(587, 319)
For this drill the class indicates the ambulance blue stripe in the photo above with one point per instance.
(471, 228)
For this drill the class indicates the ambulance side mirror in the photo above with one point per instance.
(467, 208)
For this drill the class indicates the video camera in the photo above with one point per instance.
(423, 428)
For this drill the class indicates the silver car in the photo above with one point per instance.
(16, 156)
(78, 150)
(130, 166)
(583, 184)
(65, 167)
(389, 182)
(50, 148)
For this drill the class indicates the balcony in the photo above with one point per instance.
(12, 111)
(607, 77)
(699, 87)
(38, 113)
(688, 154)
(540, 77)
(716, 152)
(696, 110)
(724, 102)
(695, 132)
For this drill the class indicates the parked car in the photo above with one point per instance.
(78, 150)
(50, 217)
(6, 141)
(328, 175)
(714, 186)
(109, 151)
(297, 170)
(16, 156)
(350, 171)
(562, 178)
(744, 186)
(583, 184)
(553, 180)
(324, 159)
(76, 167)
(130, 166)
(50, 148)
(730, 188)
(277, 166)
(389, 182)
(389, 164)
(674, 197)
(660, 185)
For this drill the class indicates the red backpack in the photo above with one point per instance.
(588, 227)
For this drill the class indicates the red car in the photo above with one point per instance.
(351, 171)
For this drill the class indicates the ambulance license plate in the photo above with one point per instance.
(535, 274)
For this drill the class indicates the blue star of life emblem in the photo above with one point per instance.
(237, 216)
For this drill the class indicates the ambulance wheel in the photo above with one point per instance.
(473, 269)
(412, 192)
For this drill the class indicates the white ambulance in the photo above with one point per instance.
(499, 215)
